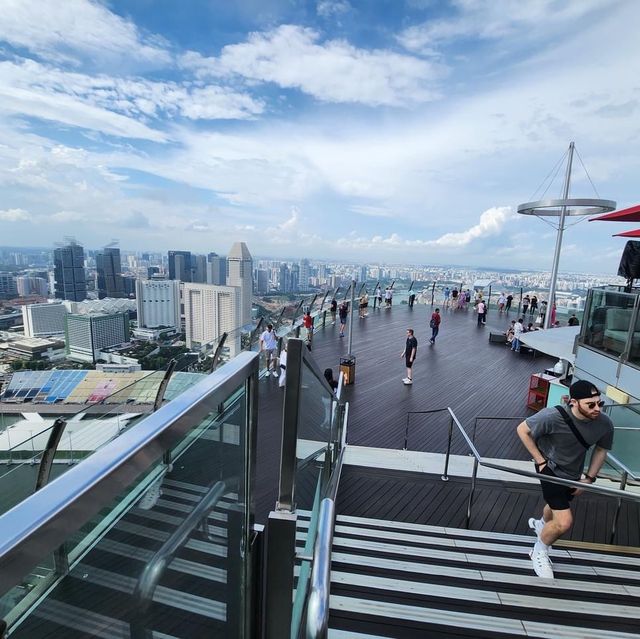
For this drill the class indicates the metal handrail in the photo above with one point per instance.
(74, 498)
(153, 571)
(318, 600)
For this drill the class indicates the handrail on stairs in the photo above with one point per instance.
(478, 460)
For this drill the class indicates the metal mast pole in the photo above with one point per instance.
(556, 257)
(353, 292)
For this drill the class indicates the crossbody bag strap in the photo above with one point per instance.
(572, 426)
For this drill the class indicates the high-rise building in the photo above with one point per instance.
(180, 267)
(216, 269)
(152, 270)
(158, 303)
(284, 279)
(305, 274)
(109, 270)
(129, 285)
(240, 274)
(210, 311)
(69, 274)
(295, 278)
(87, 335)
(363, 273)
(43, 320)
(199, 269)
(28, 285)
(262, 281)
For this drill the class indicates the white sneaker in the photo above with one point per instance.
(536, 525)
(407, 381)
(274, 374)
(541, 563)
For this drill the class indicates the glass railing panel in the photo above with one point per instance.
(607, 324)
(168, 556)
(626, 439)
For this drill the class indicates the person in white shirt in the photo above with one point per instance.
(283, 366)
(268, 344)
(518, 329)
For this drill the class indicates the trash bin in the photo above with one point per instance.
(348, 368)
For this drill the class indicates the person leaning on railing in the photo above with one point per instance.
(558, 441)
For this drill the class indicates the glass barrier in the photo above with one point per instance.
(105, 417)
(626, 440)
(168, 556)
(608, 321)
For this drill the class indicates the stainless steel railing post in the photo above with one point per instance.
(445, 475)
(474, 476)
(614, 525)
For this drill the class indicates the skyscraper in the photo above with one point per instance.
(210, 311)
(109, 269)
(240, 265)
(70, 278)
(295, 278)
(284, 279)
(216, 269)
(180, 267)
(158, 303)
(199, 269)
(305, 274)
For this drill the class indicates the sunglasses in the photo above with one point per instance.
(592, 405)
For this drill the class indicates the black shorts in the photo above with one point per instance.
(408, 362)
(555, 495)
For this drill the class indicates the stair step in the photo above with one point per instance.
(441, 571)
(430, 618)
(467, 595)
(82, 620)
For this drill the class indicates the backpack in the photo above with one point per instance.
(432, 323)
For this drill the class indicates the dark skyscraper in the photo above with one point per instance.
(180, 266)
(109, 271)
(70, 278)
(216, 269)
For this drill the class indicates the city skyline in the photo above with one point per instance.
(394, 133)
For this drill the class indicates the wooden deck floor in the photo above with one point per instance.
(463, 370)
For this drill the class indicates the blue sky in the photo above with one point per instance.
(380, 131)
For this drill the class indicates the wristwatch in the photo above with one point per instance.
(590, 478)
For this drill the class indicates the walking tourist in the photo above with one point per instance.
(558, 441)
(333, 308)
(268, 345)
(525, 304)
(507, 306)
(454, 298)
(307, 322)
(434, 324)
(534, 305)
(502, 300)
(482, 313)
(409, 354)
(447, 293)
(388, 297)
(343, 311)
(518, 329)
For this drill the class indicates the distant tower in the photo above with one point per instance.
(305, 274)
(240, 265)
(284, 279)
(199, 269)
(180, 266)
(109, 269)
(216, 269)
(69, 274)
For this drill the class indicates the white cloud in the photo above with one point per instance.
(114, 106)
(74, 29)
(492, 222)
(371, 211)
(15, 215)
(332, 8)
(495, 20)
(333, 71)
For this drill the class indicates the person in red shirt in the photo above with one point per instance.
(436, 318)
(307, 322)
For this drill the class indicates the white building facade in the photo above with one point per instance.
(87, 335)
(210, 311)
(43, 320)
(158, 303)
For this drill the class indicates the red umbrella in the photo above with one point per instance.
(634, 233)
(632, 214)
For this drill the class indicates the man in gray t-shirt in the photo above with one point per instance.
(558, 452)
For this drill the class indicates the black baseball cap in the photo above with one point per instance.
(582, 389)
